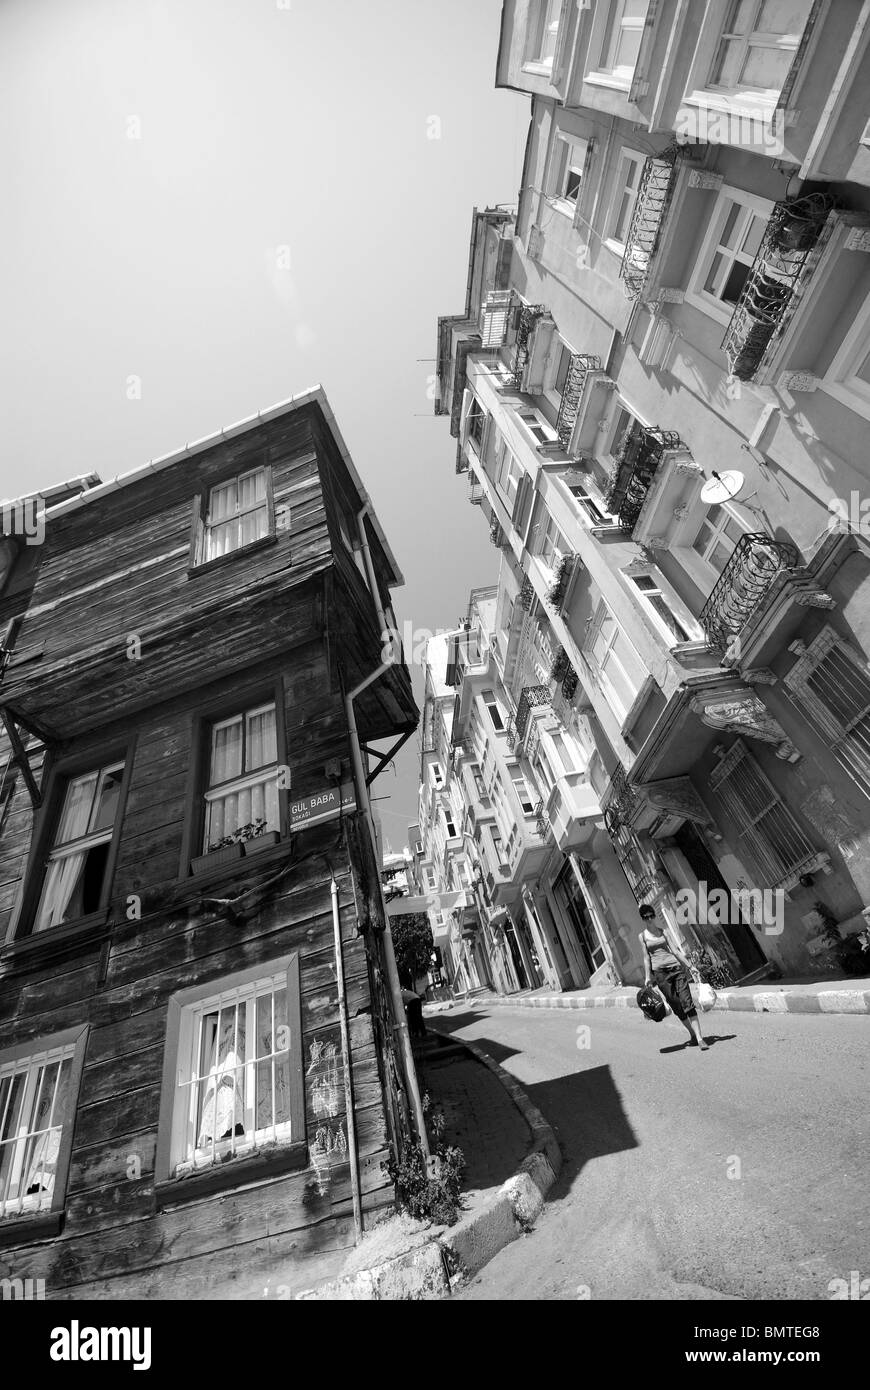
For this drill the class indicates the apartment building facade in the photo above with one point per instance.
(199, 1056)
(656, 387)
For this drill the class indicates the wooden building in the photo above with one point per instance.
(197, 1086)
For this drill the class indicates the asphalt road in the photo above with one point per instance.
(741, 1172)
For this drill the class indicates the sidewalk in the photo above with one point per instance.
(849, 996)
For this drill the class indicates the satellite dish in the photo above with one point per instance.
(721, 487)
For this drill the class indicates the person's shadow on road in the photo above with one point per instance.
(709, 1038)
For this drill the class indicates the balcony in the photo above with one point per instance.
(650, 209)
(754, 564)
(542, 821)
(639, 460)
(496, 534)
(579, 367)
(476, 493)
(770, 293)
(526, 595)
(564, 675)
(529, 316)
(532, 697)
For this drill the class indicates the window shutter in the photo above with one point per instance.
(496, 316)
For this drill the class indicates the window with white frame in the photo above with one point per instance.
(567, 170)
(540, 429)
(831, 682)
(623, 424)
(591, 506)
(551, 543)
(620, 670)
(75, 883)
(848, 377)
(429, 878)
(660, 606)
(622, 39)
(243, 772)
(756, 47)
(624, 196)
(449, 822)
(508, 473)
(231, 1049)
(477, 778)
(437, 775)
(734, 235)
(543, 34)
(498, 849)
(36, 1102)
(717, 536)
(524, 793)
(496, 713)
(564, 761)
(237, 514)
(475, 422)
(765, 828)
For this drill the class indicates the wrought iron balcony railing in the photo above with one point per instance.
(620, 801)
(650, 208)
(746, 578)
(475, 490)
(529, 315)
(562, 578)
(579, 367)
(542, 820)
(496, 534)
(532, 697)
(638, 463)
(768, 297)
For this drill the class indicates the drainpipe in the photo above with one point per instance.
(345, 1043)
(401, 1023)
(370, 569)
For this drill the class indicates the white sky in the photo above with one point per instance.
(281, 219)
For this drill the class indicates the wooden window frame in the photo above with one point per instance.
(242, 1171)
(20, 1230)
(211, 712)
(21, 935)
(196, 564)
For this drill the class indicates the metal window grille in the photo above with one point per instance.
(832, 684)
(233, 1090)
(33, 1106)
(770, 833)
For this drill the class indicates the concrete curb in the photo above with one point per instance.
(832, 1001)
(432, 1270)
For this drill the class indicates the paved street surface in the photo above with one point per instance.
(650, 1131)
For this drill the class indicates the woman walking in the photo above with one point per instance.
(665, 965)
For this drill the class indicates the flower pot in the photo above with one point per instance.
(215, 858)
(261, 842)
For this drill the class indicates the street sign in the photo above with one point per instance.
(325, 805)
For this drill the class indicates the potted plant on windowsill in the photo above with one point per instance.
(247, 839)
(256, 837)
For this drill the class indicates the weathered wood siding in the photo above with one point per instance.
(297, 609)
(113, 1236)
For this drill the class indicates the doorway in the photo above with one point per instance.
(569, 896)
(737, 932)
